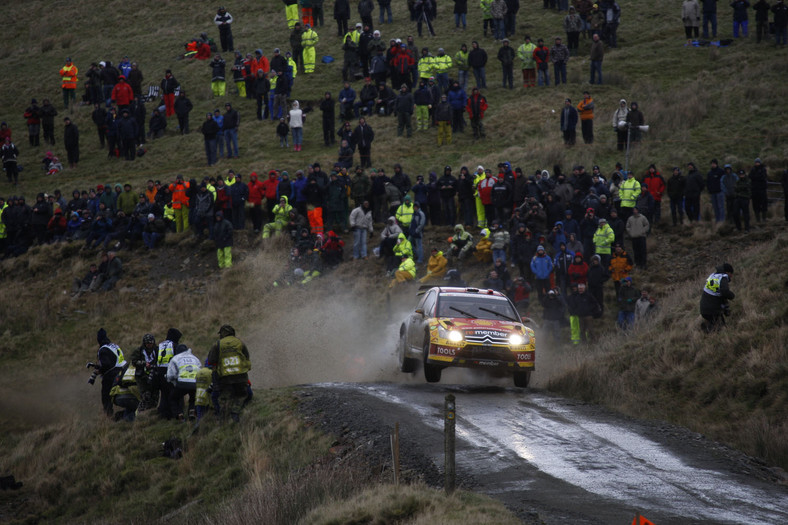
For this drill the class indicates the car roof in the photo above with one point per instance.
(469, 291)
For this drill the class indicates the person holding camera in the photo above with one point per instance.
(110, 361)
(715, 297)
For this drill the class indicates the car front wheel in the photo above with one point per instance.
(521, 379)
(406, 364)
(432, 373)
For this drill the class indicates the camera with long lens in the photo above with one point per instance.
(95, 372)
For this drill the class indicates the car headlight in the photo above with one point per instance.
(516, 340)
(454, 336)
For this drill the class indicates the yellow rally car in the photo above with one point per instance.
(466, 327)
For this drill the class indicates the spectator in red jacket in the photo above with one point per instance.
(256, 194)
(578, 270)
(269, 190)
(122, 94)
(656, 187)
(476, 107)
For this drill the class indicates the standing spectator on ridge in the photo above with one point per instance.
(183, 107)
(709, 17)
(526, 55)
(676, 187)
(573, 25)
(230, 124)
(759, 183)
(69, 84)
(596, 56)
(690, 15)
(637, 229)
(694, 188)
(780, 11)
(223, 238)
(210, 129)
(9, 153)
(476, 107)
(223, 21)
(656, 188)
(569, 123)
(33, 121)
(341, 15)
(559, 54)
(635, 119)
(218, 84)
(71, 142)
(362, 138)
(309, 40)
(48, 114)
(714, 185)
(728, 183)
(619, 116)
(586, 110)
(168, 86)
(740, 17)
(110, 361)
(498, 10)
(506, 57)
(460, 13)
(477, 59)
(743, 194)
(627, 299)
(541, 55)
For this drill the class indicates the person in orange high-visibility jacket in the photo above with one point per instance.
(180, 203)
(586, 110)
(69, 84)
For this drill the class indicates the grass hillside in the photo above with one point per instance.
(700, 103)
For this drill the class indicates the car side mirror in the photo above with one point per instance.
(420, 311)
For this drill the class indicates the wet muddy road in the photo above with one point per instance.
(552, 460)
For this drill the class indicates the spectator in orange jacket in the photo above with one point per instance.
(69, 84)
(586, 110)
(180, 203)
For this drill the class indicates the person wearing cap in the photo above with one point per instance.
(528, 63)
(569, 123)
(559, 55)
(715, 297)
(230, 360)
(309, 40)
(627, 298)
(441, 65)
(604, 236)
(68, 74)
(742, 196)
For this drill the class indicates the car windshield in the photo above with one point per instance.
(476, 307)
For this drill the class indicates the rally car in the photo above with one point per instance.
(466, 327)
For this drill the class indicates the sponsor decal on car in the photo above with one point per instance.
(444, 350)
(525, 356)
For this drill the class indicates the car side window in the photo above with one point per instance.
(429, 303)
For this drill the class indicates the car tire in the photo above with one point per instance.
(406, 364)
(432, 373)
(521, 379)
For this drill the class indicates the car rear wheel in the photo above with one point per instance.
(432, 373)
(521, 379)
(406, 364)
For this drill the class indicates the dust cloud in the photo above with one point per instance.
(27, 403)
(330, 337)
